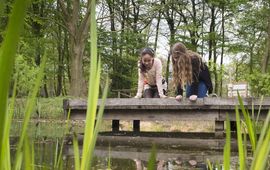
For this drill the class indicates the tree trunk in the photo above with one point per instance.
(267, 50)
(157, 30)
(202, 35)
(78, 27)
(169, 16)
(251, 53)
(60, 64)
(222, 49)
(78, 85)
(212, 46)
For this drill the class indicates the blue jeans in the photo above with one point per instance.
(202, 90)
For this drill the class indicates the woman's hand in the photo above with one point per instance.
(162, 96)
(138, 96)
(179, 97)
(193, 97)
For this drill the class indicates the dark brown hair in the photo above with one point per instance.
(143, 52)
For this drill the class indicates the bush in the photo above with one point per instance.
(260, 84)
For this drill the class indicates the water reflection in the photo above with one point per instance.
(48, 137)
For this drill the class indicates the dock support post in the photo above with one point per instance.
(219, 129)
(136, 125)
(115, 125)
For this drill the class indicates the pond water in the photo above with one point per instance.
(119, 156)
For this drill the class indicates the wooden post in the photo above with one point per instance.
(119, 94)
(233, 126)
(219, 129)
(136, 125)
(115, 125)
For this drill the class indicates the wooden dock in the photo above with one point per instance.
(206, 109)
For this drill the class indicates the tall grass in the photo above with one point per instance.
(7, 58)
(93, 119)
(260, 148)
(227, 147)
(152, 158)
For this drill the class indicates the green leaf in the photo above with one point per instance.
(76, 152)
(240, 141)
(7, 55)
(152, 159)
(29, 108)
(262, 151)
(227, 147)
(248, 121)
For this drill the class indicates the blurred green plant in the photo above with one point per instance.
(259, 83)
(260, 147)
(7, 59)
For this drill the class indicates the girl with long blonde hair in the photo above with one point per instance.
(190, 70)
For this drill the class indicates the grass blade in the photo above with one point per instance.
(92, 92)
(240, 140)
(209, 165)
(5, 147)
(259, 111)
(227, 147)
(99, 118)
(109, 159)
(28, 111)
(262, 150)
(59, 159)
(76, 152)
(248, 121)
(56, 153)
(152, 159)
(7, 57)
(261, 159)
(27, 155)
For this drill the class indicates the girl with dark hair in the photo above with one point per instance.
(150, 76)
(190, 70)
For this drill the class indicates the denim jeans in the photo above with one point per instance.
(202, 90)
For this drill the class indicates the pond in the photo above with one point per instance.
(112, 151)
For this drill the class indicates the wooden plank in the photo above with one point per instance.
(152, 115)
(209, 109)
(205, 103)
(231, 114)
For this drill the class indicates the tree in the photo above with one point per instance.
(76, 20)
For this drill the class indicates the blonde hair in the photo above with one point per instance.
(182, 67)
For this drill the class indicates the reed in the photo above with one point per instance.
(7, 59)
(93, 119)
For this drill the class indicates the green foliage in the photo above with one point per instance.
(260, 84)
(25, 74)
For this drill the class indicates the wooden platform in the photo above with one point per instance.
(206, 109)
